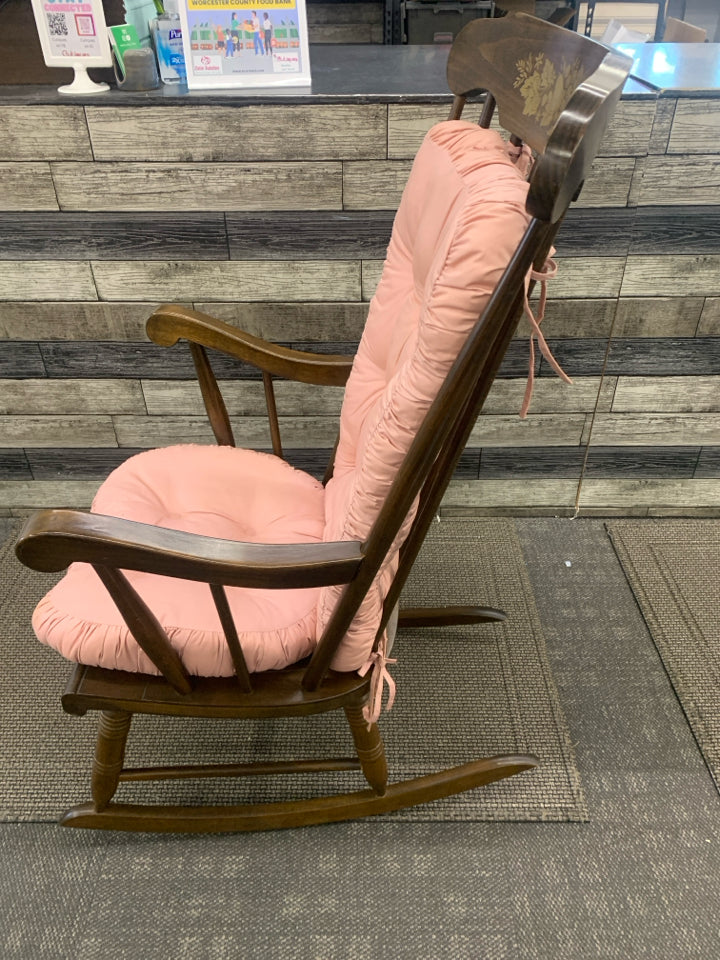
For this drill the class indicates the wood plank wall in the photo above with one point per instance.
(276, 218)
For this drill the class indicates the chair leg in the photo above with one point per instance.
(370, 749)
(109, 755)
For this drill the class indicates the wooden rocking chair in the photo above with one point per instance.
(444, 314)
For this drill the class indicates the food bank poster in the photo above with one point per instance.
(227, 45)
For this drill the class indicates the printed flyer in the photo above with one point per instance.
(227, 45)
(72, 30)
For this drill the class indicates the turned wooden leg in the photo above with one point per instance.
(109, 755)
(370, 749)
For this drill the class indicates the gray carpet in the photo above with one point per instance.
(639, 881)
(673, 568)
(462, 693)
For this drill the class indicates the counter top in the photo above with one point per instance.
(367, 73)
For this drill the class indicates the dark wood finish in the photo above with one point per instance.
(448, 616)
(298, 813)
(272, 414)
(370, 749)
(212, 398)
(231, 636)
(565, 127)
(603, 462)
(112, 734)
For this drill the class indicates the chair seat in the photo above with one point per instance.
(223, 492)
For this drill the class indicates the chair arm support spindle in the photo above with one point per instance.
(212, 398)
(145, 628)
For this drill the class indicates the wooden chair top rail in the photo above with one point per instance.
(554, 90)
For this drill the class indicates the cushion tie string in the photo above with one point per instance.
(378, 662)
(547, 273)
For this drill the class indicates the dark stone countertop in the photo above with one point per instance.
(373, 73)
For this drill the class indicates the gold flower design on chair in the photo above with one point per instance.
(545, 89)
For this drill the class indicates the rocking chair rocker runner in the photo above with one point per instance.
(219, 582)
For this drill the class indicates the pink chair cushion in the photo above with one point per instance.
(461, 217)
(219, 492)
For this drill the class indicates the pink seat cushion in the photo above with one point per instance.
(461, 217)
(460, 220)
(219, 492)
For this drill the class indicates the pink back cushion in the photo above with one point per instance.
(461, 217)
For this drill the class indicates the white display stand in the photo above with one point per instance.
(245, 45)
(73, 34)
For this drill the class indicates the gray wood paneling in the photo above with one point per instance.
(676, 230)
(249, 431)
(44, 133)
(313, 235)
(550, 395)
(46, 280)
(21, 496)
(290, 321)
(593, 231)
(609, 183)
(168, 397)
(658, 316)
(102, 360)
(198, 186)
(603, 462)
(636, 317)
(684, 429)
(664, 356)
(46, 396)
(677, 181)
(552, 430)
(695, 127)
(374, 184)
(112, 236)
(679, 275)
(709, 325)
(57, 431)
(594, 277)
(664, 113)
(245, 280)
(708, 465)
(14, 465)
(21, 359)
(74, 320)
(79, 463)
(26, 186)
(241, 133)
(668, 394)
(408, 124)
(481, 494)
(661, 496)
(629, 131)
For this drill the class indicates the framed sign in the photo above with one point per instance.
(73, 34)
(227, 44)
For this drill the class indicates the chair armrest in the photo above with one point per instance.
(53, 539)
(171, 322)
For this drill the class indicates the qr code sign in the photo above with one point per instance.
(57, 25)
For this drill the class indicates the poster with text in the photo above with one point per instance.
(228, 45)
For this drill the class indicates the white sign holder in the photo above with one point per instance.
(73, 34)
